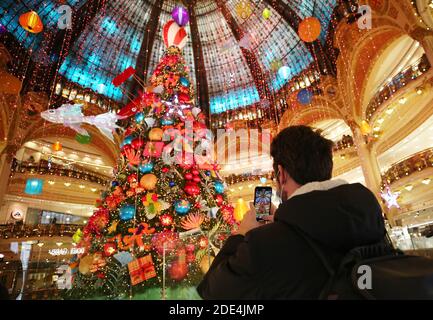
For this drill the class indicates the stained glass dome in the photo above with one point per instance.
(235, 57)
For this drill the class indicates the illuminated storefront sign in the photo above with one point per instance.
(65, 251)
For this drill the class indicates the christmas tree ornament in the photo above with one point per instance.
(31, 22)
(266, 14)
(85, 264)
(192, 221)
(57, 146)
(184, 81)
(166, 220)
(219, 199)
(139, 117)
(182, 207)
(174, 35)
(137, 143)
(155, 134)
(127, 140)
(110, 248)
(203, 242)
(205, 263)
(305, 96)
(166, 240)
(148, 181)
(243, 9)
(171, 184)
(219, 187)
(123, 257)
(192, 189)
(78, 235)
(180, 15)
(166, 121)
(141, 269)
(127, 212)
(178, 270)
(146, 167)
(309, 29)
(114, 183)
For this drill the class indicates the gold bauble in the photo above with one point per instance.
(148, 181)
(205, 263)
(85, 264)
(156, 134)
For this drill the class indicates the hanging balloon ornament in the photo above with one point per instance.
(219, 187)
(57, 146)
(83, 139)
(31, 22)
(284, 72)
(127, 212)
(305, 96)
(174, 35)
(182, 207)
(139, 117)
(180, 15)
(243, 9)
(266, 13)
(309, 29)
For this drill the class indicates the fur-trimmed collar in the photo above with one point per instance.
(318, 186)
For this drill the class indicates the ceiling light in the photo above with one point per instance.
(409, 187)
(426, 181)
(51, 182)
(81, 186)
(380, 121)
(2, 255)
(59, 243)
(67, 184)
(85, 221)
(402, 100)
(40, 244)
(419, 91)
(93, 189)
(389, 111)
(377, 129)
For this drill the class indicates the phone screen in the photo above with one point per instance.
(262, 201)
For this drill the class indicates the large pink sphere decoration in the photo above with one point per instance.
(180, 15)
(174, 35)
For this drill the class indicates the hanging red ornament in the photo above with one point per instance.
(192, 189)
(125, 75)
(184, 98)
(132, 178)
(188, 176)
(126, 148)
(219, 199)
(190, 247)
(165, 169)
(196, 179)
(190, 257)
(137, 143)
(178, 270)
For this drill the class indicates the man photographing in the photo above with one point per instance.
(272, 260)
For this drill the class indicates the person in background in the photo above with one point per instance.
(274, 260)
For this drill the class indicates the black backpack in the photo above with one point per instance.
(375, 272)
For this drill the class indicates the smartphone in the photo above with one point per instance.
(262, 202)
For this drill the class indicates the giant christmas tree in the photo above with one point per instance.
(166, 214)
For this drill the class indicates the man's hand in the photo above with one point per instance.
(249, 221)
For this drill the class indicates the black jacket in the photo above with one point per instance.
(274, 262)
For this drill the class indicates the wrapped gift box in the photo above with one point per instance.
(141, 269)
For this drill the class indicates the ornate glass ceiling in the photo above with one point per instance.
(116, 36)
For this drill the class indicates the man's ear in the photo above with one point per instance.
(282, 175)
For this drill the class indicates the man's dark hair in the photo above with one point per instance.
(303, 153)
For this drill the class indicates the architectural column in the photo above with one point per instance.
(369, 164)
(5, 171)
(425, 38)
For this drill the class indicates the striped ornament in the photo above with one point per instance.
(174, 35)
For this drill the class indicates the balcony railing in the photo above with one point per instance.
(11, 231)
(44, 168)
(397, 82)
(415, 163)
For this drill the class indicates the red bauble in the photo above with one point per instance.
(195, 172)
(165, 169)
(178, 270)
(196, 179)
(219, 199)
(137, 143)
(192, 189)
(109, 249)
(183, 98)
(188, 176)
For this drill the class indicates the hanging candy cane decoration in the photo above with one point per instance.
(174, 35)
